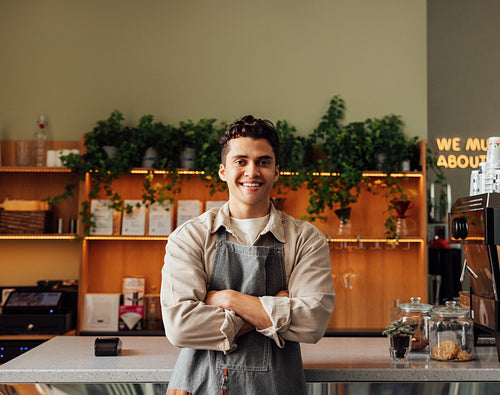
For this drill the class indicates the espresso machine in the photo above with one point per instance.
(474, 222)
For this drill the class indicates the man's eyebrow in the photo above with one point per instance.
(246, 156)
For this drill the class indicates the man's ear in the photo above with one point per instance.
(222, 172)
(277, 173)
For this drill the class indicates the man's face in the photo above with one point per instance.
(250, 172)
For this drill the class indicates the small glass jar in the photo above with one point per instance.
(417, 315)
(451, 337)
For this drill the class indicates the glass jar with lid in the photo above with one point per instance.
(451, 337)
(417, 315)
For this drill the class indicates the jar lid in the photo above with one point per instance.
(450, 310)
(416, 305)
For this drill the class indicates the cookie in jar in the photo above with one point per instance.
(417, 315)
(451, 333)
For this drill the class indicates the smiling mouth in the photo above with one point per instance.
(251, 184)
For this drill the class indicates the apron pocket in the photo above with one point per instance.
(253, 354)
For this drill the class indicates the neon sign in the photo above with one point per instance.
(460, 152)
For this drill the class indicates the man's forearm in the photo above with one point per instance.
(247, 307)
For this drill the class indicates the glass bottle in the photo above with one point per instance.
(417, 315)
(40, 141)
(451, 337)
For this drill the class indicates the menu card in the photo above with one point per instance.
(187, 209)
(103, 217)
(160, 219)
(134, 223)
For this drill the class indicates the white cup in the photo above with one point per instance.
(474, 183)
(491, 173)
(51, 158)
(493, 153)
(60, 153)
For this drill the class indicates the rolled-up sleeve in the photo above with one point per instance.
(188, 321)
(304, 316)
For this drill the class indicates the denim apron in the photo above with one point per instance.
(258, 365)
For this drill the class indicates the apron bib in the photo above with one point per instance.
(258, 365)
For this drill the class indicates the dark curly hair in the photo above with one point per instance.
(249, 126)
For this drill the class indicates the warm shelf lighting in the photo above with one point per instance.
(37, 237)
(411, 174)
(330, 239)
(373, 240)
(15, 169)
(148, 171)
(140, 238)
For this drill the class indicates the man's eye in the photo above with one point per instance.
(265, 162)
(239, 162)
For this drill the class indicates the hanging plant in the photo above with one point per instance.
(390, 148)
(208, 153)
(294, 157)
(345, 151)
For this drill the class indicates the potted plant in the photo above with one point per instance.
(208, 154)
(156, 140)
(390, 147)
(345, 151)
(102, 168)
(294, 156)
(399, 334)
(107, 133)
(147, 135)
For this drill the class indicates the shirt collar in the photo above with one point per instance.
(274, 226)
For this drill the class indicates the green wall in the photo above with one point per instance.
(76, 61)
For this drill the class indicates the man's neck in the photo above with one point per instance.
(247, 212)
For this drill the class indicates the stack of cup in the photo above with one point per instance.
(487, 178)
(54, 156)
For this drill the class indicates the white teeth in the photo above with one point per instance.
(250, 185)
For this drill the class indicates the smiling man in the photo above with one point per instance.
(243, 285)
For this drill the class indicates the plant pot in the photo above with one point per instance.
(380, 159)
(399, 347)
(149, 158)
(187, 158)
(406, 165)
(110, 150)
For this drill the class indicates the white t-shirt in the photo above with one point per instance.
(248, 229)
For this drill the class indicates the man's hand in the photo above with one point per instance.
(283, 294)
(246, 306)
(218, 298)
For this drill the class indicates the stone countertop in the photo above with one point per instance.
(70, 359)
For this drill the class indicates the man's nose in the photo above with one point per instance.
(252, 169)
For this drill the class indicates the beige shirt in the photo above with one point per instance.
(190, 253)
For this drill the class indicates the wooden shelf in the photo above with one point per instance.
(385, 269)
(382, 270)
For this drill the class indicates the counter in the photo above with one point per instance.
(70, 359)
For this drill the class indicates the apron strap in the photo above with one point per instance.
(221, 239)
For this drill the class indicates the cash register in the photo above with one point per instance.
(50, 308)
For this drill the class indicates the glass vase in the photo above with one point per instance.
(399, 347)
